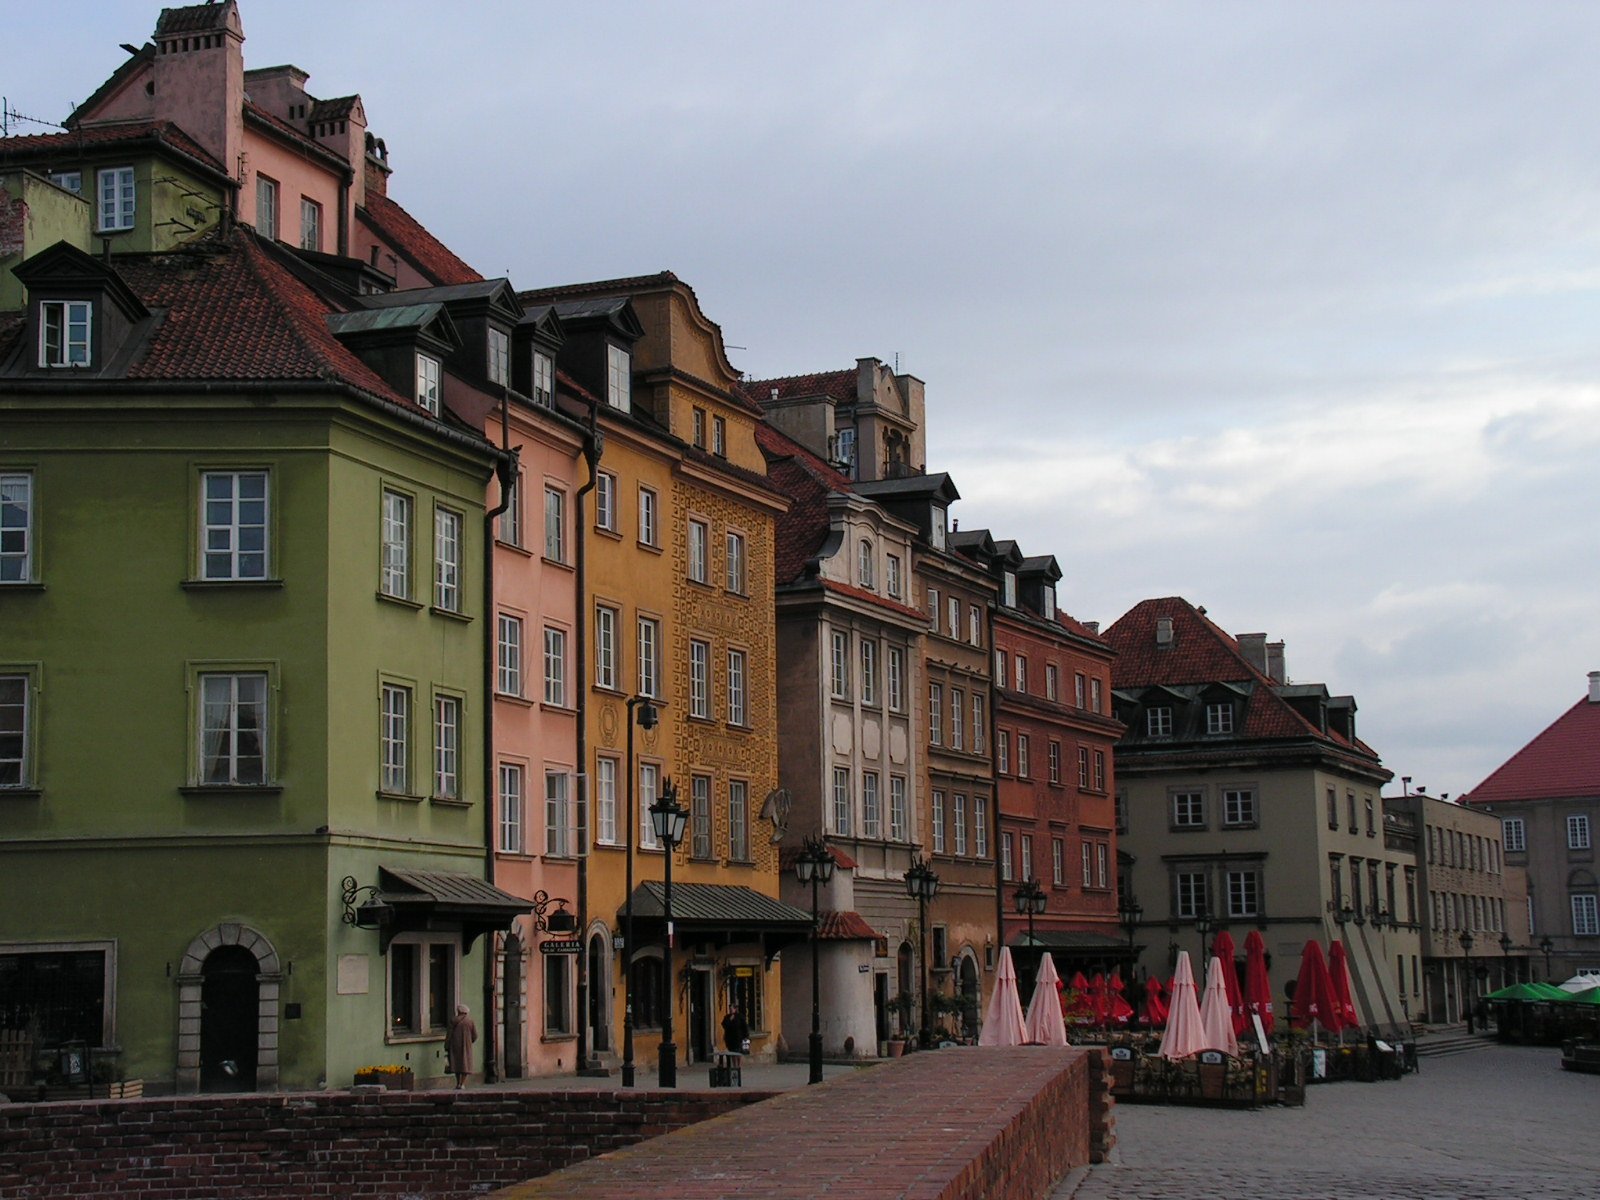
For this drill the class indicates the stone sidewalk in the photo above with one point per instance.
(1504, 1121)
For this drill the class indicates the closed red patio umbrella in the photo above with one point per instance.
(1257, 985)
(1100, 999)
(1121, 1010)
(1339, 976)
(1314, 1002)
(1222, 948)
(1155, 1003)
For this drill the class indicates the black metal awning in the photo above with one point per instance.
(718, 913)
(445, 901)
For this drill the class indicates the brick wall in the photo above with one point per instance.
(384, 1145)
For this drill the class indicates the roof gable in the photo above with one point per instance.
(1563, 760)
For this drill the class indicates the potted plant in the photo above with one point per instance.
(392, 1076)
(902, 1006)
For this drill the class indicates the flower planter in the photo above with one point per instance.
(395, 1081)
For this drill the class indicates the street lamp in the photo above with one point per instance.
(1129, 913)
(1546, 945)
(641, 709)
(668, 818)
(1505, 958)
(1203, 926)
(922, 885)
(814, 865)
(1466, 958)
(1031, 900)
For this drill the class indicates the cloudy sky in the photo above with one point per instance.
(1291, 309)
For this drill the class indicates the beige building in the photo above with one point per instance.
(1249, 802)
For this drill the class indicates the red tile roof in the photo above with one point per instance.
(845, 927)
(807, 481)
(1562, 761)
(836, 385)
(108, 135)
(855, 593)
(193, 18)
(787, 855)
(419, 247)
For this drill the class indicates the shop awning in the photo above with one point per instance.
(717, 913)
(1071, 941)
(444, 901)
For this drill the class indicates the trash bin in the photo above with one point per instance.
(727, 1069)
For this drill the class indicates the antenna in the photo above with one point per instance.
(8, 115)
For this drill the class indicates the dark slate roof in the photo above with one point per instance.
(399, 316)
(1562, 761)
(452, 892)
(333, 109)
(716, 904)
(192, 18)
(478, 289)
(414, 243)
(839, 386)
(625, 284)
(577, 310)
(934, 485)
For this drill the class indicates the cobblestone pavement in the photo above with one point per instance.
(1505, 1121)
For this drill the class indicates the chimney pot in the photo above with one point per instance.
(1594, 687)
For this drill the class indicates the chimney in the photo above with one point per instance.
(1163, 631)
(1094, 627)
(1275, 668)
(1253, 646)
(1594, 687)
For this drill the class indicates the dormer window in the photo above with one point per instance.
(115, 189)
(1158, 721)
(428, 383)
(1049, 606)
(499, 357)
(941, 521)
(65, 327)
(1219, 717)
(844, 451)
(1011, 589)
(864, 571)
(619, 378)
(544, 379)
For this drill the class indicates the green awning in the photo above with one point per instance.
(1527, 993)
(1591, 998)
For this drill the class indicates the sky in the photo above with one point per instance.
(1290, 309)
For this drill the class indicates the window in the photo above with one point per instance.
(555, 524)
(1515, 834)
(899, 813)
(1058, 862)
(15, 769)
(605, 502)
(59, 994)
(1578, 832)
(1052, 683)
(869, 671)
(1585, 915)
(719, 437)
(446, 748)
(1192, 900)
(698, 533)
(619, 379)
(864, 572)
(310, 224)
(64, 333)
(700, 816)
(510, 520)
(649, 786)
(738, 711)
(555, 667)
(1083, 767)
(871, 806)
(954, 626)
(605, 647)
(891, 577)
(978, 726)
(958, 818)
(115, 185)
(1002, 758)
(1077, 688)
(1055, 761)
(16, 527)
(744, 990)
(897, 684)
(974, 625)
(558, 822)
(1244, 893)
(936, 812)
(1188, 810)
(1025, 856)
(1100, 865)
(933, 609)
(1009, 590)
(1022, 755)
(738, 820)
(649, 989)
(842, 806)
(1094, 695)
(980, 826)
(699, 679)
(605, 800)
(697, 423)
(544, 381)
(233, 525)
(1000, 668)
(736, 573)
(267, 207)
(649, 657)
(396, 739)
(1333, 816)
(512, 799)
(1088, 867)
(1158, 721)
(648, 533)
(557, 994)
(1219, 718)
(839, 667)
(68, 181)
(428, 383)
(958, 702)
(1239, 808)
(233, 729)
(499, 357)
(1372, 830)
(508, 656)
(1350, 805)
(845, 451)
(447, 560)
(422, 984)
(935, 714)
(1007, 872)
(396, 534)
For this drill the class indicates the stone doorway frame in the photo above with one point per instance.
(269, 977)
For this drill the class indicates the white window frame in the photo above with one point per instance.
(953, 617)
(447, 747)
(555, 524)
(649, 790)
(1058, 862)
(892, 577)
(619, 378)
(839, 665)
(1021, 663)
(699, 678)
(936, 811)
(935, 714)
(555, 666)
(605, 800)
(605, 501)
(1240, 809)
(229, 521)
(267, 207)
(958, 730)
(544, 379)
(719, 436)
(979, 729)
(499, 356)
(980, 826)
(958, 819)
(395, 740)
(16, 759)
(428, 388)
(871, 805)
(605, 647)
(16, 527)
(1052, 682)
(1578, 831)
(866, 576)
(869, 672)
(1192, 891)
(896, 679)
(1002, 752)
(1055, 761)
(1188, 809)
(117, 206)
(508, 525)
(739, 820)
(1514, 833)
(395, 579)
(1158, 721)
(899, 809)
(700, 832)
(1585, 914)
(508, 655)
(513, 801)
(310, 225)
(843, 806)
(66, 333)
(738, 694)
(734, 544)
(649, 658)
(974, 625)
(559, 826)
(1007, 871)
(1022, 756)
(699, 552)
(226, 690)
(1219, 717)
(649, 517)
(448, 527)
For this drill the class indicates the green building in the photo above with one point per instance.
(242, 675)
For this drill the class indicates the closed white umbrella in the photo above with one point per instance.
(1184, 1036)
(1216, 1013)
(1044, 1023)
(1003, 1024)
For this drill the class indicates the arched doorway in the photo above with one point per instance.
(969, 996)
(229, 1006)
(599, 972)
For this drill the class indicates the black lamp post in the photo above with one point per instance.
(1031, 901)
(922, 885)
(1505, 959)
(641, 709)
(1203, 926)
(668, 818)
(1545, 946)
(814, 865)
(1466, 959)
